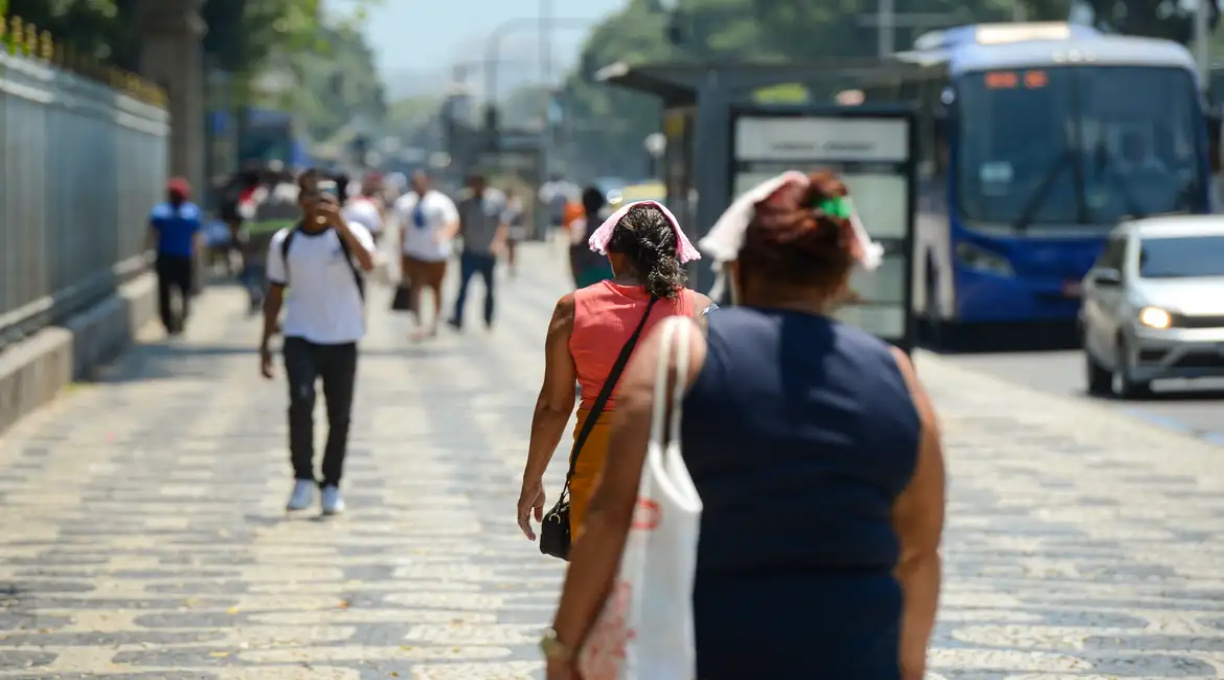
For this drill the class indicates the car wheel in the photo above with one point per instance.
(1123, 386)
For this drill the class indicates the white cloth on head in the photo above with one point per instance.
(685, 252)
(726, 237)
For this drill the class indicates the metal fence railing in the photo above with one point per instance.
(83, 157)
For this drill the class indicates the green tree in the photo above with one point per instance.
(608, 125)
(335, 88)
(242, 34)
(103, 29)
(1166, 19)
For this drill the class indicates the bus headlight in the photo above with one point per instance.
(982, 260)
(1155, 317)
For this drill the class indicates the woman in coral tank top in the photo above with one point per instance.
(590, 327)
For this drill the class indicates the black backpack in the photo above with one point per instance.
(348, 259)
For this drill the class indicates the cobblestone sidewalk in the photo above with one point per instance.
(144, 535)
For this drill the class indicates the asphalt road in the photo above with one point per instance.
(1197, 409)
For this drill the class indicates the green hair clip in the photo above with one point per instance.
(836, 207)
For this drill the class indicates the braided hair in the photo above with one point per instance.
(647, 239)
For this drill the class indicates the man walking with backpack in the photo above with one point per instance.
(315, 271)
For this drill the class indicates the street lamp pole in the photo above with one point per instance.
(1202, 40)
(546, 41)
(493, 45)
(886, 15)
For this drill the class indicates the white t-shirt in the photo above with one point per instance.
(365, 212)
(323, 304)
(422, 226)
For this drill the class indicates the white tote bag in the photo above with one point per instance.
(645, 630)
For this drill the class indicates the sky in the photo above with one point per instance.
(419, 42)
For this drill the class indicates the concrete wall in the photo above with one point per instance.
(33, 371)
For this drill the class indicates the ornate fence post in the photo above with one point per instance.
(30, 45)
(16, 34)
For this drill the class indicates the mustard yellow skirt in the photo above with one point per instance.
(588, 468)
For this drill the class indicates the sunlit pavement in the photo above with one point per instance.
(144, 532)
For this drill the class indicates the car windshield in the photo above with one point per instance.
(1079, 145)
(1181, 257)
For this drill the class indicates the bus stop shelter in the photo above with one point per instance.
(709, 112)
(698, 99)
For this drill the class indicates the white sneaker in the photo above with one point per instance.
(333, 504)
(303, 495)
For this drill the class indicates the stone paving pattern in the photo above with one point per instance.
(145, 538)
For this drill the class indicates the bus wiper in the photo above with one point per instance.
(1038, 198)
(1106, 159)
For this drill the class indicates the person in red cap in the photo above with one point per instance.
(176, 233)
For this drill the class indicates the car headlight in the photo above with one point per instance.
(980, 259)
(1155, 317)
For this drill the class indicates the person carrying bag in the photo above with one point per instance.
(555, 535)
(645, 629)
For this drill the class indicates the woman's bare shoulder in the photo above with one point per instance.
(565, 307)
(701, 302)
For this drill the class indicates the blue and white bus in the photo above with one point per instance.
(1036, 140)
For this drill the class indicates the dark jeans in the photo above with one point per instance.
(305, 363)
(471, 264)
(174, 272)
(253, 278)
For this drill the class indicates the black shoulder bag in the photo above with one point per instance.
(555, 529)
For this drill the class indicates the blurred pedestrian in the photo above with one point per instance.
(428, 222)
(176, 233)
(484, 230)
(315, 271)
(589, 331)
(555, 195)
(238, 210)
(366, 206)
(516, 228)
(589, 267)
(816, 454)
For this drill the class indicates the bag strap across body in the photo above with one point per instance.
(605, 393)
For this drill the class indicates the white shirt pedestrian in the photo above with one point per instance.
(364, 211)
(425, 220)
(323, 300)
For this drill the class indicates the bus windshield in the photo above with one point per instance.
(1079, 145)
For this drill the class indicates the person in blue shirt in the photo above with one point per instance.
(176, 233)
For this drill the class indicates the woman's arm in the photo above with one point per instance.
(918, 518)
(553, 409)
(596, 554)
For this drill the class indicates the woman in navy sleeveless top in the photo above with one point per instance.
(817, 458)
